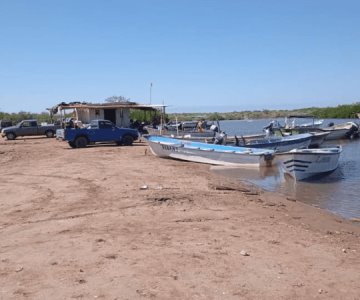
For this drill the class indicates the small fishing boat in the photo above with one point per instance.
(192, 130)
(305, 163)
(209, 153)
(292, 123)
(279, 143)
(318, 138)
(341, 131)
(264, 141)
(210, 138)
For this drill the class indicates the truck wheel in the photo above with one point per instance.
(11, 136)
(72, 145)
(80, 142)
(127, 140)
(49, 134)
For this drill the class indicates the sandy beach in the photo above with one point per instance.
(109, 222)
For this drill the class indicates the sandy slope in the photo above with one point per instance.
(75, 224)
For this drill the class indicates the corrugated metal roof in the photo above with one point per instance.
(109, 106)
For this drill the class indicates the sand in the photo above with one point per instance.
(109, 222)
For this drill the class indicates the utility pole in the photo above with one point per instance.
(150, 91)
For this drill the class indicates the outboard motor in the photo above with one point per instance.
(353, 132)
(214, 128)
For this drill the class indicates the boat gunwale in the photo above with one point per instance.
(210, 147)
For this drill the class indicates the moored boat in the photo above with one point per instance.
(279, 143)
(292, 123)
(341, 131)
(191, 130)
(209, 153)
(318, 138)
(306, 163)
(230, 140)
(276, 143)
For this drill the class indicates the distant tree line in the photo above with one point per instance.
(346, 111)
(22, 115)
(338, 112)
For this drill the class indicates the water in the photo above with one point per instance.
(337, 192)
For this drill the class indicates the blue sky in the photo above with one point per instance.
(200, 55)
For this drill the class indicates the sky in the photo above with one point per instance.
(192, 55)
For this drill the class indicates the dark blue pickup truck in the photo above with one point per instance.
(100, 131)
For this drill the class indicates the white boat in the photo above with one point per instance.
(318, 138)
(230, 140)
(276, 143)
(279, 143)
(315, 123)
(305, 163)
(209, 153)
(192, 130)
(292, 123)
(341, 131)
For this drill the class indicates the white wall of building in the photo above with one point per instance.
(85, 115)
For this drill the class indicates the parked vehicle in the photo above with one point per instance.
(100, 131)
(29, 128)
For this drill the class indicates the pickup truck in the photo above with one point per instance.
(29, 128)
(100, 131)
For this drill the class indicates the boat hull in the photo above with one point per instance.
(209, 153)
(282, 144)
(317, 139)
(336, 134)
(306, 163)
(341, 131)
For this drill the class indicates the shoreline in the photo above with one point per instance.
(224, 172)
(119, 223)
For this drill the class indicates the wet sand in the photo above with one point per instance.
(109, 222)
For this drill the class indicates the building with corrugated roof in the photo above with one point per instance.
(116, 112)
